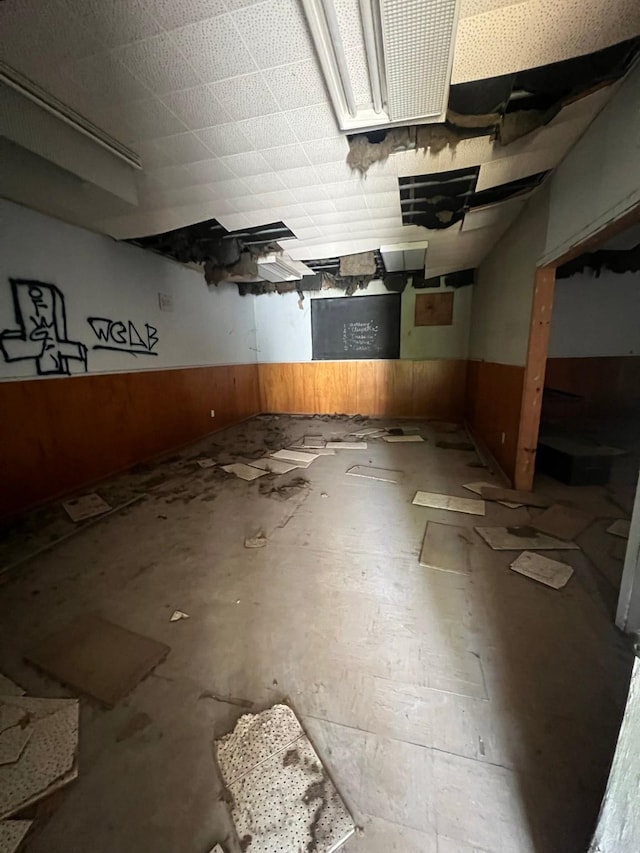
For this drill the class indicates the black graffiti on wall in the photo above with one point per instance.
(123, 336)
(40, 334)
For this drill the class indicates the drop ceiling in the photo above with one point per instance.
(225, 103)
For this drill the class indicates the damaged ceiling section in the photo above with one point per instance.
(506, 108)
(614, 260)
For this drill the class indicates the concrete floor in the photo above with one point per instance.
(457, 712)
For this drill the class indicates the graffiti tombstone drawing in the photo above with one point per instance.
(41, 333)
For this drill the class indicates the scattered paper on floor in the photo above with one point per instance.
(177, 615)
(476, 488)
(346, 445)
(383, 474)
(369, 432)
(257, 541)
(542, 569)
(312, 441)
(87, 506)
(449, 502)
(245, 472)
(402, 438)
(11, 834)
(302, 460)
(268, 763)
(206, 463)
(522, 538)
(620, 528)
(562, 521)
(446, 548)
(273, 466)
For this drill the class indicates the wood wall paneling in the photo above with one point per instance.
(493, 404)
(606, 385)
(61, 434)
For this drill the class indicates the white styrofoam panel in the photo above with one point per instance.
(197, 107)
(158, 63)
(234, 221)
(224, 139)
(178, 13)
(554, 32)
(269, 182)
(214, 49)
(302, 176)
(107, 80)
(277, 35)
(118, 22)
(311, 123)
(248, 163)
(494, 214)
(183, 148)
(210, 171)
(332, 150)
(287, 157)
(270, 131)
(245, 96)
(306, 233)
(506, 169)
(319, 206)
(299, 84)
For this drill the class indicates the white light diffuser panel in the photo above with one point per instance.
(404, 256)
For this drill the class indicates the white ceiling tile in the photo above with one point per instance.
(223, 205)
(349, 22)
(234, 221)
(297, 85)
(116, 22)
(506, 169)
(158, 62)
(313, 122)
(494, 214)
(288, 211)
(344, 189)
(177, 13)
(171, 176)
(245, 97)
(107, 80)
(287, 157)
(246, 203)
(183, 148)
(279, 199)
(140, 120)
(306, 233)
(334, 173)
(303, 176)
(269, 131)
(248, 163)
(214, 48)
(152, 157)
(299, 222)
(354, 202)
(270, 182)
(387, 183)
(231, 188)
(197, 107)
(240, 4)
(276, 35)
(376, 212)
(318, 207)
(225, 139)
(385, 199)
(309, 194)
(327, 150)
(209, 171)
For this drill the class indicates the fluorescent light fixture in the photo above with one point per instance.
(404, 257)
(407, 54)
(276, 268)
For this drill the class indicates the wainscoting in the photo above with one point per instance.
(494, 401)
(603, 385)
(61, 434)
(399, 388)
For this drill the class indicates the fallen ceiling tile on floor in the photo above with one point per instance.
(302, 460)
(495, 493)
(562, 521)
(369, 432)
(98, 657)
(268, 763)
(620, 528)
(446, 548)
(245, 472)
(476, 488)
(87, 506)
(522, 538)
(11, 834)
(383, 474)
(449, 502)
(542, 569)
(12, 742)
(346, 445)
(206, 463)
(9, 688)
(273, 466)
(402, 439)
(49, 759)
(314, 441)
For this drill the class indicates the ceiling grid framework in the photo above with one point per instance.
(226, 104)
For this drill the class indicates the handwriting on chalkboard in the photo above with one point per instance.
(356, 327)
(360, 336)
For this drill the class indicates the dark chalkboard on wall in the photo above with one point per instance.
(356, 327)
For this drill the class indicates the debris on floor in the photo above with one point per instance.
(443, 426)
(446, 548)
(11, 834)
(177, 615)
(542, 569)
(257, 541)
(9, 688)
(402, 438)
(49, 758)
(383, 474)
(87, 506)
(476, 488)
(495, 493)
(98, 657)
(449, 502)
(455, 445)
(369, 432)
(346, 445)
(302, 460)
(273, 466)
(206, 463)
(268, 763)
(243, 471)
(217, 849)
(312, 441)
(285, 490)
(620, 527)
(519, 538)
(317, 451)
(562, 521)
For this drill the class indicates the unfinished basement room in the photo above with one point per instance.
(319, 426)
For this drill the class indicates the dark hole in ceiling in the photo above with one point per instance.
(438, 200)
(615, 260)
(462, 278)
(493, 195)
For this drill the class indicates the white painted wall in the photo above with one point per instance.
(599, 179)
(618, 828)
(284, 328)
(100, 277)
(596, 316)
(503, 294)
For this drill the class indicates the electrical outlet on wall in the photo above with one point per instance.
(165, 301)
(213, 413)
(503, 437)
